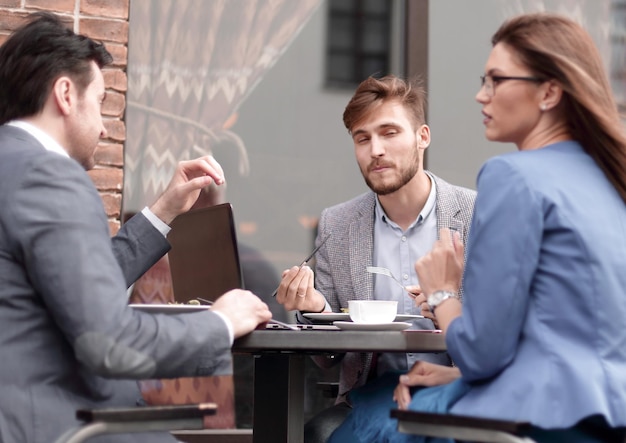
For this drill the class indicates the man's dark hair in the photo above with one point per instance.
(37, 54)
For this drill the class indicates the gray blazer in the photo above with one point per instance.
(340, 264)
(68, 338)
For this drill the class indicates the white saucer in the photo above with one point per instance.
(169, 309)
(407, 317)
(342, 316)
(351, 326)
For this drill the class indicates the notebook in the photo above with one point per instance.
(204, 259)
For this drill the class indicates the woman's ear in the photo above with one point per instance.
(552, 92)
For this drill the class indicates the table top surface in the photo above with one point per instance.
(322, 341)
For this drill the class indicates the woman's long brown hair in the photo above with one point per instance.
(555, 47)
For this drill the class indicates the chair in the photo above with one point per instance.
(140, 419)
(329, 389)
(460, 427)
(155, 286)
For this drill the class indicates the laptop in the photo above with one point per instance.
(204, 259)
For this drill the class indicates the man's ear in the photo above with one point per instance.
(63, 90)
(423, 137)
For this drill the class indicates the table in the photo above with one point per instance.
(279, 369)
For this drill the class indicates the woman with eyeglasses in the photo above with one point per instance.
(541, 336)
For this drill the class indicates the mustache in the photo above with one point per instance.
(380, 164)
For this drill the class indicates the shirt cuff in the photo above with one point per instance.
(159, 224)
(229, 326)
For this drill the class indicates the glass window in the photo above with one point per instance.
(618, 52)
(358, 41)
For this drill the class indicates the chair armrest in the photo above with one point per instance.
(147, 413)
(461, 427)
(139, 419)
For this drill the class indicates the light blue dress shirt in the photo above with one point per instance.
(398, 250)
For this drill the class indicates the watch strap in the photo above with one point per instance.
(437, 297)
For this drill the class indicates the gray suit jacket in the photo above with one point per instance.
(340, 264)
(68, 338)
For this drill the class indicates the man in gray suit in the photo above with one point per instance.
(68, 338)
(392, 226)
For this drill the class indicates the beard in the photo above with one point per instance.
(404, 174)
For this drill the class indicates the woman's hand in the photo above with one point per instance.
(442, 267)
(423, 373)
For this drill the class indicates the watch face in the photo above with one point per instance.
(437, 297)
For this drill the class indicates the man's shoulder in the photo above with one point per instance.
(356, 206)
(447, 188)
(25, 165)
(18, 146)
(21, 155)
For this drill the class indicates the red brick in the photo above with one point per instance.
(10, 21)
(51, 5)
(107, 179)
(110, 154)
(114, 104)
(115, 79)
(10, 3)
(119, 53)
(110, 8)
(105, 30)
(114, 226)
(112, 204)
(116, 130)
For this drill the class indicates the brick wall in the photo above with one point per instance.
(106, 21)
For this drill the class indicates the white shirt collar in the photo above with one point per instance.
(42, 137)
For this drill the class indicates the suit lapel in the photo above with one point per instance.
(361, 247)
(448, 207)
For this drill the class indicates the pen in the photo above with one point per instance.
(306, 260)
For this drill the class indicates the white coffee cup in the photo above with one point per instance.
(372, 311)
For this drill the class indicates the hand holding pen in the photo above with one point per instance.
(296, 290)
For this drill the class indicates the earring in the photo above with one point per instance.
(542, 106)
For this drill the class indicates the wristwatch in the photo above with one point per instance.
(437, 297)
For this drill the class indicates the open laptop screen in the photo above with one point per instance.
(204, 259)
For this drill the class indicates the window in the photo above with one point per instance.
(361, 40)
(618, 52)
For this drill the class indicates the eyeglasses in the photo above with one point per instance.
(489, 82)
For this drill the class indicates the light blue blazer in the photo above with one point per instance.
(543, 332)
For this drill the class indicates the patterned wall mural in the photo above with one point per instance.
(191, 65)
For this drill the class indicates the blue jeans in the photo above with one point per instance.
(369, 420)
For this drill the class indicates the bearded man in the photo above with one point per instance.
(392, 226)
